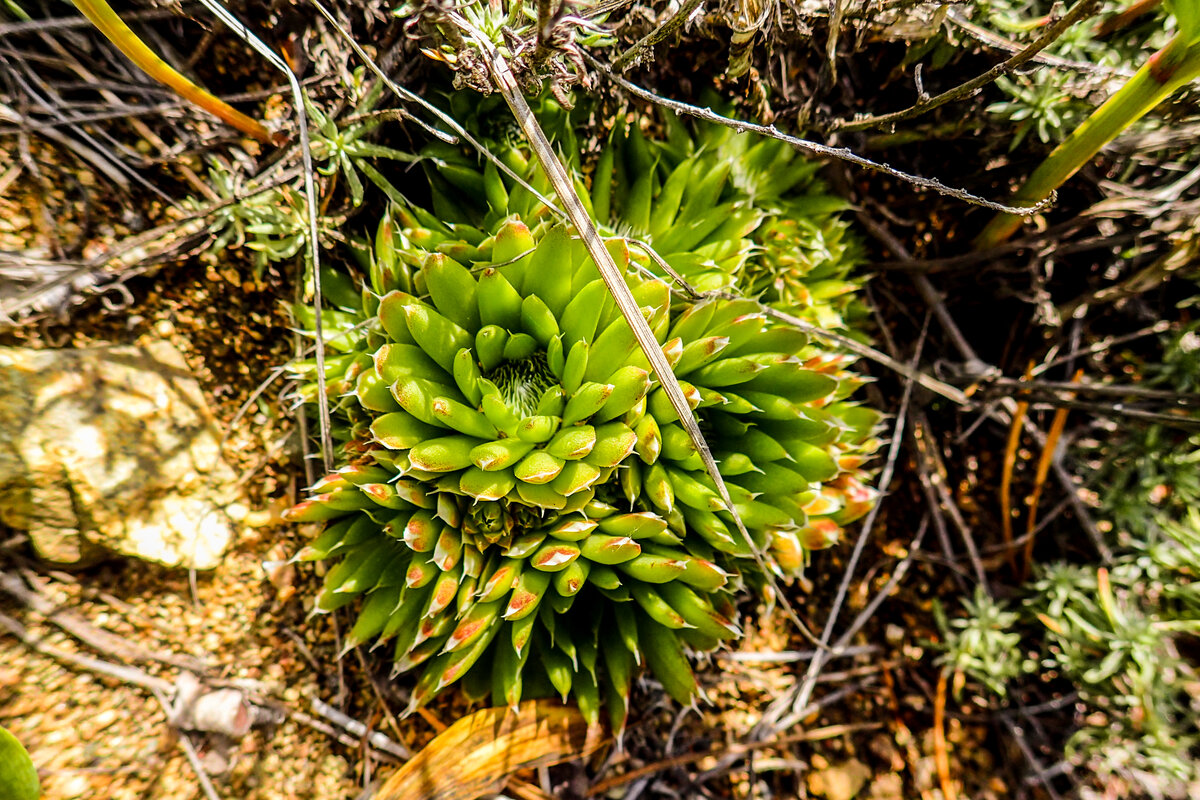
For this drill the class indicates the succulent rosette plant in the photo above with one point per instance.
(519, 504)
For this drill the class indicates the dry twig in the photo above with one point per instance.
(636, 52)
(940, 756)
(1010, 462)
(1049, 449)
(813, 148)
(100, 640)
(189, 750)
(1082, 10)
(130, 675)
(785, 713)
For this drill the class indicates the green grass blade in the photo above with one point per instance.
(1163, 74)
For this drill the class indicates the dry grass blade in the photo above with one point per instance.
(836, 18)
(477, 754)
(72, 23)
(396, 89)
(310, 197)
(93, 156)
(639, 49)
(790, 709)
(615, 281)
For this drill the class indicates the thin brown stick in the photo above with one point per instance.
(312, 234)
(903, 734)
(377, 739)
(1179, 421)
(998, 42)
(524, 790)
(8, 29)
(189, 750)
(322, 727)
(812, 148)
(813, 735)
(836, 17)
(131, 675)
(459, 131)
(1081, 10)
(393, 723)
(933, 472)
(840, 647)
(433, 720)
(100, 640)
(1010, 462)
(161, 687)
(968, 353)
(1034, 388)
(1043, 469)
(940, 757)
(1182, 256)
(140, 127)
(638, 50)
(787, 712)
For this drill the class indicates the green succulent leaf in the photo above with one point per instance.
(18, 778)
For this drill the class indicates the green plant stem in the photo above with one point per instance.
(1162, 75)
(100, 14)
(16, 10)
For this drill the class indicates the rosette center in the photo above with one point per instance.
(522, 382)
(497, 522)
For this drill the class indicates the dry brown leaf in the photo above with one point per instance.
(474, 756)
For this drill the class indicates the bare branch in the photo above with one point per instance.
(461, 132)
(1081, 10)
(1000, 43)
(784, 713)
(842, 153)
(69, 23)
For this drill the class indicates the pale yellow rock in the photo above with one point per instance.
(840, 781)
(112, 450)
